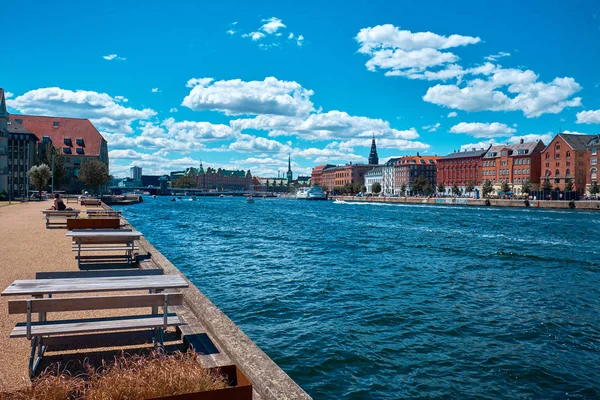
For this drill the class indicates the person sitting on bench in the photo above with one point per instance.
(59, 205)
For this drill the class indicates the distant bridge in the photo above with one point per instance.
(185, 191)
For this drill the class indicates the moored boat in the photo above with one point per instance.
(302, 193)
(316, 193)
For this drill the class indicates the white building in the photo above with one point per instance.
(373, 176)
(387, 182)
(3, 144)
(135, 172)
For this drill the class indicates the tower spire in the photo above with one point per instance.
(289, 172)
(373, 157)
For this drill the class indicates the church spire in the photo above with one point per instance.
(373, 157)
(289, 172)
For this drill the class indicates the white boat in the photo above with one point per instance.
(316, 193)
(302, 193)
(193, 198)
(250, 199)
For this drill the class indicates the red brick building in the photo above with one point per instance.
(223, 179)
(514, 164)
(317, 174)
(567, 157)
(338, 176)
(406, 169)
(460, 168)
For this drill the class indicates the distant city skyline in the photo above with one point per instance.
(241, 85)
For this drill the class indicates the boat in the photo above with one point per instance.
(221, 196)
(250, 199)
(302, 193)
(193, 198)
(316, 193)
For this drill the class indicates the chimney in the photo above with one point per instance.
(418, 154)
(522, 140)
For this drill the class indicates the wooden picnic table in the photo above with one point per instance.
(123, 238)
(41, 287)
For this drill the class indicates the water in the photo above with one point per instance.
(380, 301)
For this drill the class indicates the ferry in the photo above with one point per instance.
(250, 199)
(302, 193)
(314, 193)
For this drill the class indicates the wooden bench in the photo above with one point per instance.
(90, 202)
(104, 240)
(98, 273)
(103, 213)
(63, 214)
(44, 333)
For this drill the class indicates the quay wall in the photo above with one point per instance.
(550, 204)
(269, 381)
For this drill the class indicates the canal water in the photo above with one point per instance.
(381, 301)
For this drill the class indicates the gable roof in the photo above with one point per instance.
(529, 146)
(16, 128)
(465, 154)
(68, 128)
(416, 160)
(577, 142)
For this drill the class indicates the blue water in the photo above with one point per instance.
(366, 301)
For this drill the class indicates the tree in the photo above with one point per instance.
(44, 156)
(403, 189)
(93, 174)
(419, 184)
(325, 188)
(568, 184)
(376, 188)
(184, 182)
(526, 186)
(357, 187)
(547, 186)
(441, 188)
(594, 188)
(487, 188)
(470, 187)
(505, 187)
(455, 189)
(39, 176)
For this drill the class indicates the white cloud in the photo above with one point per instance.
(403, 52)
(173, 109)
(198, 81)
(254, 35)
(300, 40)
(495, 57)
(431, 128)
(478, 145)
(272, 25)
(508, 90)
(255, 144)
(100, 108)
(532, 137)
(328, 154)
(237, 97)
(156, 90)
(382, 143)
(231, 32)
(483, 130)
(291, 36)
(121, 99)
(8, 95)
(452, 114)
(588, 117)
(111, 57)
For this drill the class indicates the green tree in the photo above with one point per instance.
(526, 186)
(44, 156)
(470, 187)
(324, 188)
(505, 187)
(403, 189)
(441, 188)
(419, 184)
(568, 184)
(376, 188)
(39, 176)
(184, 182)
(455, 189)
(594, 188)
(487, 188)
(357, 187)
(93, 174)
(547, 185)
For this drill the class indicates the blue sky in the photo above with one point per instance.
(242, 84)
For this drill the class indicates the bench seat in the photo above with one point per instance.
(105, 248)
(49, 328)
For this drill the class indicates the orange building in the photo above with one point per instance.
(406, 169)
(317, 174)
(337, 176)
(461, 168)
(514, 164)
(567, 157)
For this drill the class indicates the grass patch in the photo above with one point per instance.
(127, 377)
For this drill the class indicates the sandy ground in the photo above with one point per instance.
(27, 247)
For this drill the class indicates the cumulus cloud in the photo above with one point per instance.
(272, 25)
(452, 114)
(483, 130)
(231, 32)
(478, 145)
(403, 52)
(383, 143)
(8, 95)
(102, 110)
(508, 90)
(173, 109)
(328, 154)
(300, 40)
(270, 34)
(495, 57)
(237, 97)
(254, 35)
(588, 117)
(256, 144)
(156, 90)
(432, 128)
(532, 137)
(111, 57)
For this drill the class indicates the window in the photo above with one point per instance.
(568, 154)
(594, 150)
(55, 124)
(557, 146)
(80, 142)
(547, 156)
(67, 142)
(20, 121)
(593, 161)
(568, 172)
(503, 162)
(503, 154)
(76, 161)
(593, 173)
(557, 156)
(557, 173)
(66, 150)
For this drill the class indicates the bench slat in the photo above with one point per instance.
(94, 325)
(105, 248)
(94, 303)
(98, 274)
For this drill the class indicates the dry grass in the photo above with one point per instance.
(128, 377)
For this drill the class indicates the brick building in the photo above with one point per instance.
(317, 174)
(514, 164)
(567, 157)
(338, 176)
(594, 148)
(461, 168)
(223, 179)
(406, 169)
(22, 154)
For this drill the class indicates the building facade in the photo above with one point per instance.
(407, 169)
(338, 176)
(567, 158)
(77, 139)
(513, 164)
(135, 172)
(3, 147)
(223, 179)
(373, 176)
(317, 174)
(387, 179)
(461, 168)
(594, 150)
(22, 153)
